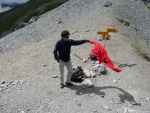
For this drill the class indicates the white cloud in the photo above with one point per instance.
(13, 1)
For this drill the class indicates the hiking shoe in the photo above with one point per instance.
(62, 85)
(69, 84)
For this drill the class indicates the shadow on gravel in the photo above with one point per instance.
(123, 95)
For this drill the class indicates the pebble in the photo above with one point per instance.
(107, 4)
(15, 82)
(22, 112)
(107, 108)
(79, 104)
(3, 82)
(127, 110)
(114, 81)
(7, 84)
(44, 65)
(95, 111)
(54, 76)
(148, 99)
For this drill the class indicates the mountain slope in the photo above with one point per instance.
(27, 56)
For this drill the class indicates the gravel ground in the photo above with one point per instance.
(27, 66)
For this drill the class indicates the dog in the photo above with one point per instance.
(105, 34)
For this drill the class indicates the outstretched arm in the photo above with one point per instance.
(78, 42)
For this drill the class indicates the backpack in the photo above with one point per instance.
(78, 75)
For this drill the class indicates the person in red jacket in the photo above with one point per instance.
(101, 55)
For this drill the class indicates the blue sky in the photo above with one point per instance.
(13, 1)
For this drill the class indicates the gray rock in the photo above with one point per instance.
(107, 4)
(33, 19)
(3, 82)
(54, 76)
(105, 107)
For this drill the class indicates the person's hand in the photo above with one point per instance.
(88, 41)
(58, 60)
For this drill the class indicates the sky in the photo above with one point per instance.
(10, 1)
(13, 1)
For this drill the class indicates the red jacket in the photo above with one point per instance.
(100, 52)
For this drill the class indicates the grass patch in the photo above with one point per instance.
(147, 4)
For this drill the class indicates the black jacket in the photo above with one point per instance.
(63, 48)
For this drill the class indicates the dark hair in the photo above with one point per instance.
(92, 57)
(65, 34)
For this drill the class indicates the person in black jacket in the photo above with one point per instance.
(62, 55)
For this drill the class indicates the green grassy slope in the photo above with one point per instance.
(10, 19)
